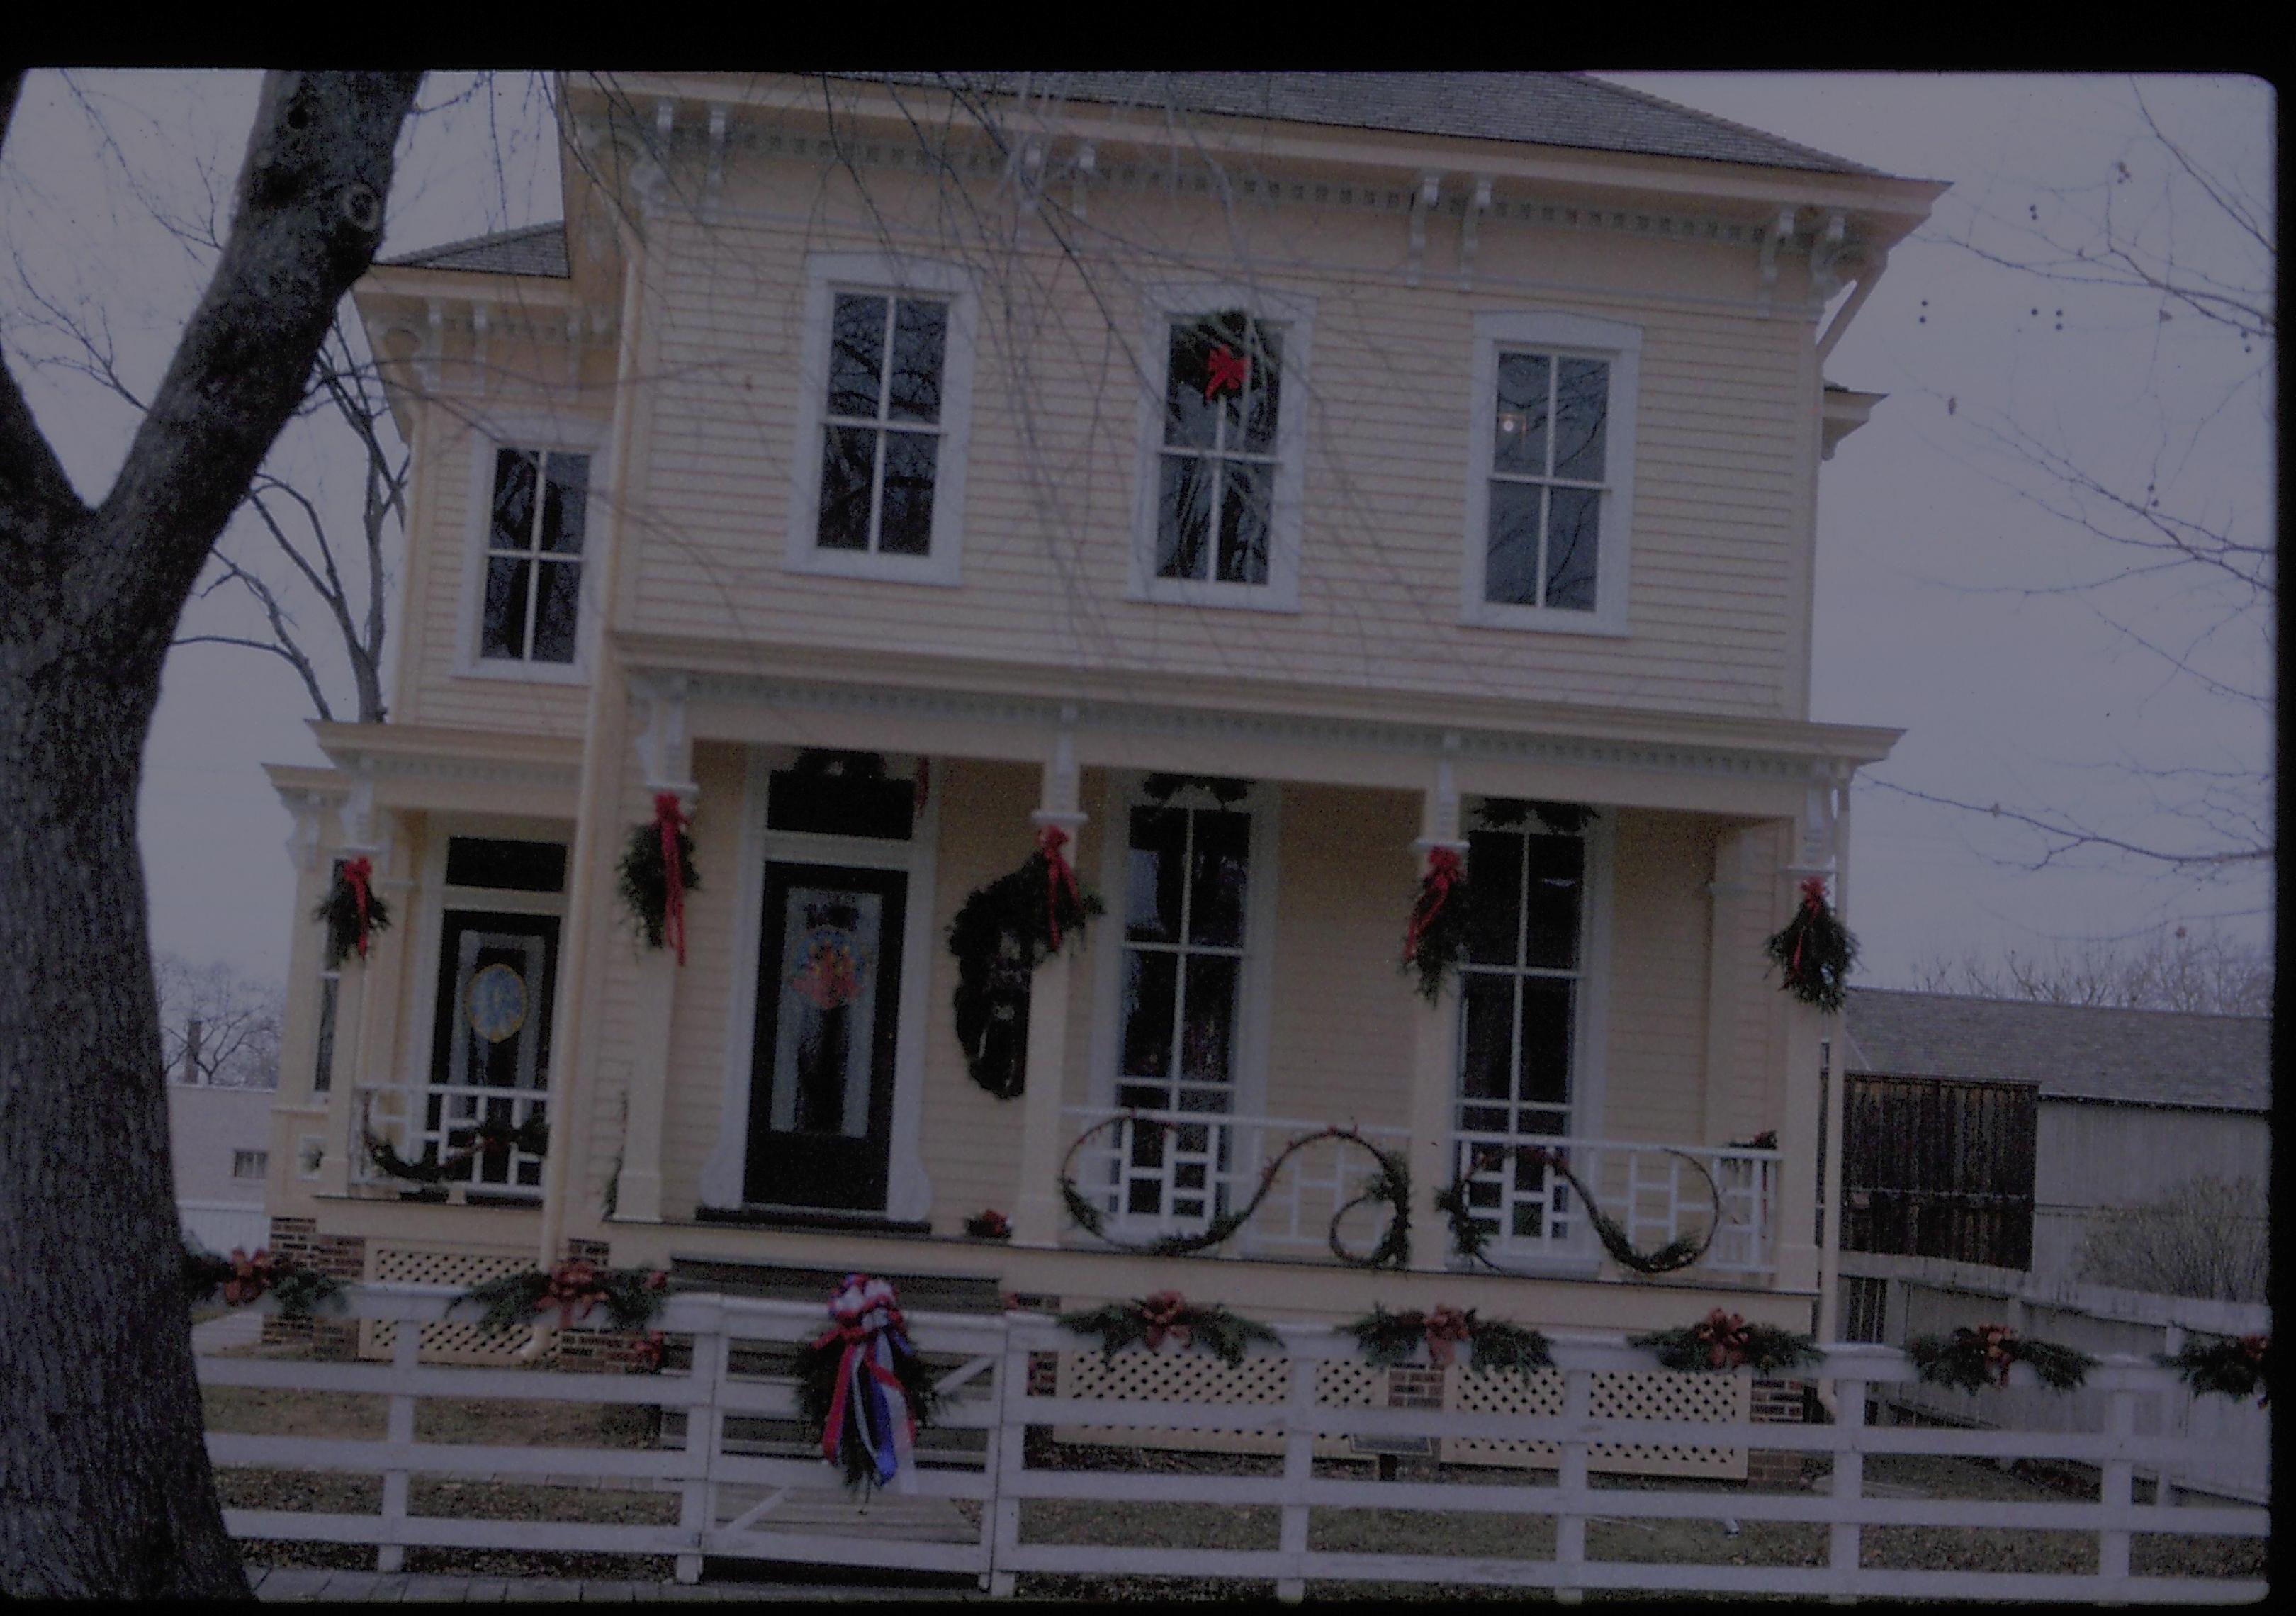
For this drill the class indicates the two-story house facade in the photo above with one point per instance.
(1271, 484)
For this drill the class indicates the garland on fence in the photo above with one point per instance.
(1724, 1340)
(1435, 938)
(863, 1386)
(1814, 950)
(352, 910)
(2229, 1368)
(1970, 1358)
(243, 1279)
(657, 872)
(1170, 1316)
(489, 1139)
(1469, 1237)
(1390, 1184)
(1000, 933)
(1388, 1339)
(632, 1296)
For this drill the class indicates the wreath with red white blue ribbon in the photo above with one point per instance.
(864, 1388)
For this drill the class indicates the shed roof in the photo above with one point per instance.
(2073, 1052)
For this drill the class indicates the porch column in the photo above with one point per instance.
(1434, 1053)
(364, 991)
(1037, 1214)
(666, 752)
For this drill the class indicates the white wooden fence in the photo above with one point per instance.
(988, 1392)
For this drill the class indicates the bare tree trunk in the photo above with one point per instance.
(104, 1482)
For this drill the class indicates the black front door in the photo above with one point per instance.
(491, 1040)
(821, 1086)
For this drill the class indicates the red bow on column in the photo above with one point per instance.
(1050, 840)
(573, 1287)
(1813, 904)
(356, 874)
(1443, 873)
(2253, 1348)
(1163, 1312)
(671, 820)
(1224, 372)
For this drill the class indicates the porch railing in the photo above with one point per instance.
(1655, 1192)
(437, 1122)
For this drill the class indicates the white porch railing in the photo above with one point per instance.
(1152, 1174)
(1652, 1191)
(988, 1392)
(412, 1120)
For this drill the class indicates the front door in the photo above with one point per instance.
(821, 1091)
(491, 1040)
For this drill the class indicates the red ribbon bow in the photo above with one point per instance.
(860, 1317)
(2253, 1348)
(250, 1277)
(1224, 372)
(1443, 873)
(2000, 1349)
(671, 819)
(356, 874)
(1162, 1313)
(573, 1287)
(1445, 1327)
(1050, 840)
(1724, 1335)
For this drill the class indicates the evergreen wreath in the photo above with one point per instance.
(1471, 1238)
(352, 911)
(1814, 950)
(1724, 1340)
(1388, 1339)
(1152, 1319)
(1000, 933)
(2231, 1367)
(1435, 939)
(1390, 1184)
(849, 1434)
(1971, 1358)
(242, 1279)
(644, 878)
(489, 1139)
(633, 1297)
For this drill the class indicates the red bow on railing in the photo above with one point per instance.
(573, 1287)
(1224, 372)
(356, 874)
(1163, 1314)
(1050, 840)
(671, 819)
(1724, 1336)
(1813, 904)
(2000, 1349)
(1443, 873)
(1445, 1327)
(250, 1277)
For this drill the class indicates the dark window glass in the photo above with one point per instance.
(506, 864)
(1494, 896)
(565, 501)
(904, 525)
(849, 464)
(1557, 879)
(1573, 521)
(540, 509)
(1252, 416)
(1546, 1041)
(1222, 861)
(516, 472)
(1191, 416)
(1244, 513)
(1206, 1039)
(1582, 390)
(841, 805)
(1158, 845)
(1511, 574)
(1488, 1001)
(1519, 438)
(857, 355)
(919, 343)
(554, 611)
(503, 632)
(1151, 984)
(1183, 517)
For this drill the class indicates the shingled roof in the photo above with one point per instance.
(2074, 1052)
(536, 250)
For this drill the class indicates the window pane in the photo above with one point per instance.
(905, 522)
(1244, 518)
(1546, 1040)
(1519, 442)
(513, 515)
(1183, 517)
(920, 346)
(1582, 394)
(504, 632)
(1150, 981)
(1217, 882)
(856, 355)
(1557, 866)
(1159, 846)
(1573, 524)
(848, 462)
(1511, 574)
(1189, 417)
(565, 495)
(560, 583)
(1488, 1062)
(1208, 1040)
(1494, 896)
(1251, 418)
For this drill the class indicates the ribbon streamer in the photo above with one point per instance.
(1443, 873)
(868, 1406)
(671, 820)
(356, 874)
(1057, 874)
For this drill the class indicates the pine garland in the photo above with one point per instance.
(1435, 938)
(1724, 1340)
(645, 877)
(2230, 1368)
(1471, 1238)
(632, 1297)
(1814, 951)
(1389, 1339)
(1000, 933)
(1151, 1319)
(484, 1139)
(1562, 818)
(1971, 1358)
(339, 912)
(1161, 789)
(240, 1279)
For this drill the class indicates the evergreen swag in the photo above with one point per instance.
(352, 911)
(1814, 950)
(840, 1391)
(632, 1296)
(1469, 1237)
(1724, 1340)
(1000, 933)
(490, 1138)
(243, 1279)
(1388, 1339)
(646, 884)
(1152, 1319)
(1562, 818)
(1436, 937)
(1970, 1358)
(2229, 1368)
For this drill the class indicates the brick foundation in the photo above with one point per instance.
(1777, 1403)
(1044, 1374)
(298, 1241)
(1414, 1388)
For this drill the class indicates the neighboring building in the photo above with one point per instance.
(801, 475)
(219, 1141)
(2000, 1131)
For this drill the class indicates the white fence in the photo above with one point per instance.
(988, 1391)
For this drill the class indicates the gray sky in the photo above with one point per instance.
(1930, 557)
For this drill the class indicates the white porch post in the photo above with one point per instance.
(1037, 1214)
(1434, 1051)
(666, 752)
(364, 992)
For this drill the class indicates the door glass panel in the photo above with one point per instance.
(1545, 1039)
(1494, 897)
(1490, 1037)
(1160, 840)
(832, 947)
(1557, 878)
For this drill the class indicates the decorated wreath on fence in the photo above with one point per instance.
(489, 1139)
(1470, 1237)
(240, 1279)
(1971, 1358)
(999, 934)
(2229, 1368)
(1388, 1339)
(1390, 1184)
(1150, 1321)
(657, 872)
(632, 1297)
(352, 911)
(1814, 951)
(1724, 1340)
(864, 1388)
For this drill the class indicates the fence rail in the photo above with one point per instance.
(988, 1391)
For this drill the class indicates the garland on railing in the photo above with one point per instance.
(633, 1297)
(2230, 1368)
(999, 934)
(1168, 1316)
(1814, 950)
(864, 1388)
(489, 1139)
(655, 883)
(1390, 1184)
(243, 1279)
(1388, 1339)
(1435, 939)
(1724, 1340)
(1971, 1358)
(1469, 1237)
(352, 911)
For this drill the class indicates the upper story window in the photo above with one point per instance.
(250, 1164)
(1222, 453)
(880, 467)
(539, 516)
(1550, 508)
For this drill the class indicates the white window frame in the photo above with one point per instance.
(259, 1160)
(1296, 313)
(1570, 336)
(541, 433)
(884, 274)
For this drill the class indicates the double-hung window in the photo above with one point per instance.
(878, 471)
(1550, 507)
(539, 517)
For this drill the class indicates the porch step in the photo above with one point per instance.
(831, 1512)
(783, 1282)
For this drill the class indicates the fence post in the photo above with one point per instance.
(2117, 1492)
(1008, 1457)
(1848, 1485)
(1571, 1502)
(2175, 1420)
(1299, 1470)
(405, 1353)
(992, 1472)
(704, 1421)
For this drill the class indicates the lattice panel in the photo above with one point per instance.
(1617, 1395)
(1196, 1376)
(445, 1344)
